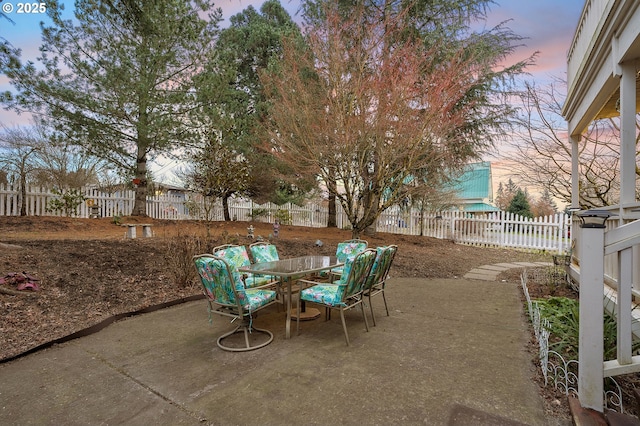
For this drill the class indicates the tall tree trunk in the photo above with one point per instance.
(372, 196)
(371, 230)
(225, 208)
(332, 217)
(332, 220)
(422, 213)
(23, 194)
(371, 205)
(142, 127)
(366, 225)
(140, 202)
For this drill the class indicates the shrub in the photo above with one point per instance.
(258, 213)
(180, 251)
(67, 202)
(563, 315)
(226, 238)
(283, 217)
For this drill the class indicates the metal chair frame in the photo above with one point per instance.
(235, 311)
(349, 300)
(378, 278)
(272, 282)
(336, 273)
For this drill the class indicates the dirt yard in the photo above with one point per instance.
(87, 271)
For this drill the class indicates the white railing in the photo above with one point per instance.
(590, 24)
(627, 215)
(621, 242)
(495, 229)
(598, 250)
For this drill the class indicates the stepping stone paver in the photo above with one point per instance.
(491, 272)
(493, 268)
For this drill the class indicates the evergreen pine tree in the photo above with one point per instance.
(520, 204)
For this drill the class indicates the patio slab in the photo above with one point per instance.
(451, 352)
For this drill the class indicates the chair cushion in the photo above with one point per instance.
(338, 270)
(378, 267)
(348, 250)
(344, 252)
(235, 255)
(256, 298)
(264, 253)
(219, 285)
(327, 294)
(216, 280)
(356, 272)
(345, 270)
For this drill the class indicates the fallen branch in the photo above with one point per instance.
(11, 292)
(10, 246)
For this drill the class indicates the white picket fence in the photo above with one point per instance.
(495, 229)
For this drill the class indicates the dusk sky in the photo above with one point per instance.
(547, 25)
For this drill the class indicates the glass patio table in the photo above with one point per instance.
(288, 270)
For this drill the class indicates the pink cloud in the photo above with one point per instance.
(546, 25)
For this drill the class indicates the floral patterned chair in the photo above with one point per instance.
(227, 296)
(237, 256)
(378, 276)
(345, 250)
(263, 251)
(343, 294)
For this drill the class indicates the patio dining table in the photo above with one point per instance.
(288, 270)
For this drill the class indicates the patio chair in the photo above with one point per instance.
(263, 251)
(227, 296)
(344, 294)
(377, 279)
(346, 249)
(238, 257)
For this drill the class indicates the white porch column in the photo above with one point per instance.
(628, 150)
(575, 170)
(591, 345)
(627, 134)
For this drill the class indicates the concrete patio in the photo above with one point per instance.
(452, 352)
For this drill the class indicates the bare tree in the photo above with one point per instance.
(65, 165)
(544, 206)
(542, 151)
(34, 155)
(19, 147)
(60, 164)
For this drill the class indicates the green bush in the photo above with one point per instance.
(258, 213)
(67, 202)
(283, 217)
